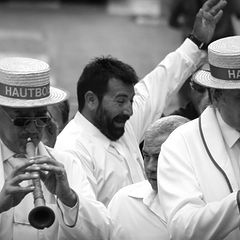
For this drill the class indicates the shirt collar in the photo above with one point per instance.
(6, 152)
(230, 134)
(92, 130)
(144, 191)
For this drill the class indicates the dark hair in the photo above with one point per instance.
(98, 72)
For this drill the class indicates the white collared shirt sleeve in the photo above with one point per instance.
(188, 215)
(69, 214)
(93, 221)
(153, 92)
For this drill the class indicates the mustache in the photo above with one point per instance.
(34, 135)
(122, 118)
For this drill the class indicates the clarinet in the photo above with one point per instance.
(40, 216)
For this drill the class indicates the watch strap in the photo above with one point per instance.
(201, 45)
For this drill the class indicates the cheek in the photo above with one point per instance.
(232, 116)
(110, 106)
(12, 138)
(151, 165)
(232, 111)
(145, 165)
(110, 112)
(10, 132)
(236, 116)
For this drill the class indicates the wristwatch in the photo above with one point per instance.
(201, 45)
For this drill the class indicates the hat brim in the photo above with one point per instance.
(204, 78)
(56, 95)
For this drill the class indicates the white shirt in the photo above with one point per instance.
(107, 172)
(136, 214)
(231, 136)
(198, 193)
(88, 219)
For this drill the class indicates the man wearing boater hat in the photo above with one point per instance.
(24, 96)
(199, 174)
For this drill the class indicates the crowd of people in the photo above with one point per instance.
(87, 178)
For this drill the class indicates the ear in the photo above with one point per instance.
(217, 97)
(91, 100)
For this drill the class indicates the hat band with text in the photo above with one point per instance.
(22, 92)
(225, 73)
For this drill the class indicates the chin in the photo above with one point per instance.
(118, 137)
(115, 135)
(154, 185)
(113, 138)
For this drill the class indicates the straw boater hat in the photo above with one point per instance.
(24, 82)
(224, 62)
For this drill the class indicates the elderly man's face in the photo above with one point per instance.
(228, 105)
(19, 124)
(151, 150)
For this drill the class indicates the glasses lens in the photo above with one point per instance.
(42, 121)
(39, 122)
(20, 122)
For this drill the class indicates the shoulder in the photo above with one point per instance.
(135, 190)
(71, 130)
(182, 139)
(74, 140)
(184, 130)
(61, 156)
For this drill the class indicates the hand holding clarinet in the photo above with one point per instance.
(12, 192)
(53, 175)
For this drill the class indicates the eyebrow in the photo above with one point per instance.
(124, 95)
(121, 95)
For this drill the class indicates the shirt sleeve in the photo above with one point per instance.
(89, 218)
(189, 215)
(154, 91)
(69, 215)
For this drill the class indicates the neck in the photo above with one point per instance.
(88, 116)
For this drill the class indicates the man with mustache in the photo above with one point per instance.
(115, 110)
(135, 209)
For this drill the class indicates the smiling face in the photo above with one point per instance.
(151, 149)
(15, 137)
(114, 109)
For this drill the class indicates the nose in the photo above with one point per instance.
(152, 164)
(31, 127)
(128, 109)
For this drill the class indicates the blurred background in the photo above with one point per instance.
(69, 33)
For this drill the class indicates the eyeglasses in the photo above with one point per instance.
(24, 121)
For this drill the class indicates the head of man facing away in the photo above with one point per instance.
(155, 136)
